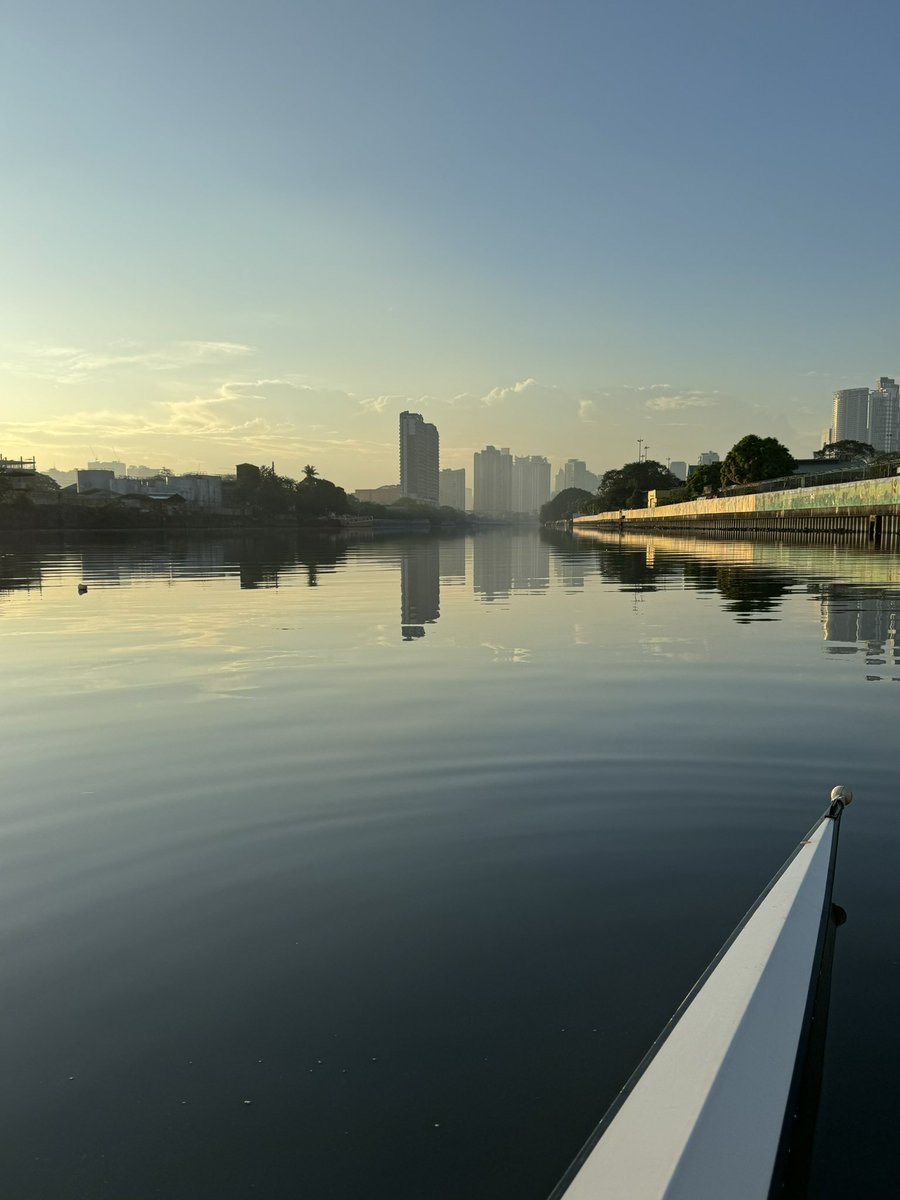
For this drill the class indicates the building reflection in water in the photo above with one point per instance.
(420, 586)
(530, 564)
(855, 621)
(504, 562)
(453, 559)
(20, 571)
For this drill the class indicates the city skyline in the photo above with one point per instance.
(555, 259)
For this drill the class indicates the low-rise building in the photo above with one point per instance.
(202, 491)
(388, 493)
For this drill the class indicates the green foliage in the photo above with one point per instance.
(707, 475)
(274, 495)
(847, 450)
(753, 459)
(673, 496)
(564, 504)
(316, 497)
(406, 509)
(627, 487)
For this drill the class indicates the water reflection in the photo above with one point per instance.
(506, 562)
(277, 908)
(420, 586)
(20, 570)
(753, 579)
(750, 593)
(855, 622)
(858, 589)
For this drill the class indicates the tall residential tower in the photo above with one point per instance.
(493, 481)
(419, 459)
(850, 415)
(530, 483)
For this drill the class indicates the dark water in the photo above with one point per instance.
(372, 869)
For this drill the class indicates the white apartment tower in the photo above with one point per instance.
(850, 415)
(884, 415)
(530, 483)
(493, 481)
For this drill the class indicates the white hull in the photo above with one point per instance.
(706, 1116)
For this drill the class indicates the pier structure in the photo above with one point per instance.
(868, 509)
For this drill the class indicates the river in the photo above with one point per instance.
(372, 868)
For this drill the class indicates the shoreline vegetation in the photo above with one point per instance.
(257, 498)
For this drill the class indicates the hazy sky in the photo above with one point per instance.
(237, 230)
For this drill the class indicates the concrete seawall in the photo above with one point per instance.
(869, 508)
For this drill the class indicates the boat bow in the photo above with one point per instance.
(711, 1110)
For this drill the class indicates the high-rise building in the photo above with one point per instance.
(530, 483)
(493, 481)
(452, 488)
(707, 458)
(884, 415)
(678, 469)
(850, 415)
(576, 475)
(419, 458)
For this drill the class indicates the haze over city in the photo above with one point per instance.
(260, 234)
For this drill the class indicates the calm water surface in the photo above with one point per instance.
(372, 869)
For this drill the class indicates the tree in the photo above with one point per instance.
(265, 492)
(310, 471)
(627, 487)
(564, 504)
(707, 475)
(754, 458)
(847, 450)
(318, 497)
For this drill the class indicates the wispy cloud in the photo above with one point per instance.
(499, 395)
(374, 404)
(673, 403)
(243, 416)
(76, 364)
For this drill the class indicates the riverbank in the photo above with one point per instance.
(867, 508)
(26, 517)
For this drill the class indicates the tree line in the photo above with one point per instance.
(750, 460)
(264, 493)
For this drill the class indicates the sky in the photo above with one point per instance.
(258, 232)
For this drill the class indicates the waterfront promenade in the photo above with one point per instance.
(868, 508)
